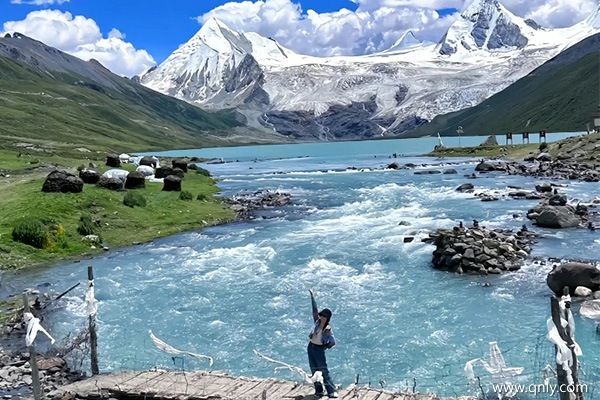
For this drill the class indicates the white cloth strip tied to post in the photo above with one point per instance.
(33, 327)
(571, 321)
(316, 377)
(91, 303)
(172, 350)
(501, 374)
(564, 357)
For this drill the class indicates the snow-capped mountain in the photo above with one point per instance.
(407, 42)
(391, 92)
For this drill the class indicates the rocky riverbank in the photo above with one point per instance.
(544, 166)
(16, 379)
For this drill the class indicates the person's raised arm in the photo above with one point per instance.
(315, 310)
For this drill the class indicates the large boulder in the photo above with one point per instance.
(573, 274)
(172, 183)
(181, 164)
(113, 160)
(89, 176)
(149, 161)
(62, 182)
(163, 172)
(485, 167)
(557, 217)
(110, 183)
(135, 180)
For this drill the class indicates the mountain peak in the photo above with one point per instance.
(476, 7)
(485, 25)
(406, 42)
(594, 19)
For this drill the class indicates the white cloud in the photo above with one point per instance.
(343, 32)
(552, 13)
(81, 37)
(376, 24)
(39, 2)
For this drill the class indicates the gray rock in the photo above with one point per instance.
(465, 187)
(544, 157)
(557, 217)
(450, 171)
(469, 254)
(573, 275)
(485, 167)
(544, 188)
(582, 291)
(558, 200)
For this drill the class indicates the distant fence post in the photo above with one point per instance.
(35, 374)
(542, 136)
(92, 322)
(565, 334)
(509, 138)
(525, 137)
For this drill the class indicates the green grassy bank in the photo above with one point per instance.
(117, 224)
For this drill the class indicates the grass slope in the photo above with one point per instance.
(165, 213)
(85, 104)
(559, 96)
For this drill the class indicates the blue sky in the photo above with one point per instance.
(129, 36)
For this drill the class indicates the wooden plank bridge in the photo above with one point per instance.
(154, 385)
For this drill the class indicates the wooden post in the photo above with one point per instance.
(35, 374)
(93, 336)
(565, 335)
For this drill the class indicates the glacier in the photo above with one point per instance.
(355, 97)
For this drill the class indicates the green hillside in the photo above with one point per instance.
(559, 96)
(53, 97)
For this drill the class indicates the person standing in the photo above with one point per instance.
(320, 339)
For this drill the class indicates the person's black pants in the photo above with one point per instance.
(318, 362)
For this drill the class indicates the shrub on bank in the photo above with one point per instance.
(543, 146)
(202, 171)
(31, 231)
(202, 197)
(186, 195)
(87, 226)
(134, 199)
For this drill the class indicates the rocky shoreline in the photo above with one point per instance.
(16, 379)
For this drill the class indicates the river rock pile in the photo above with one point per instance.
(246, 204)
(480, 250)
(557, 169)
(15, 373)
